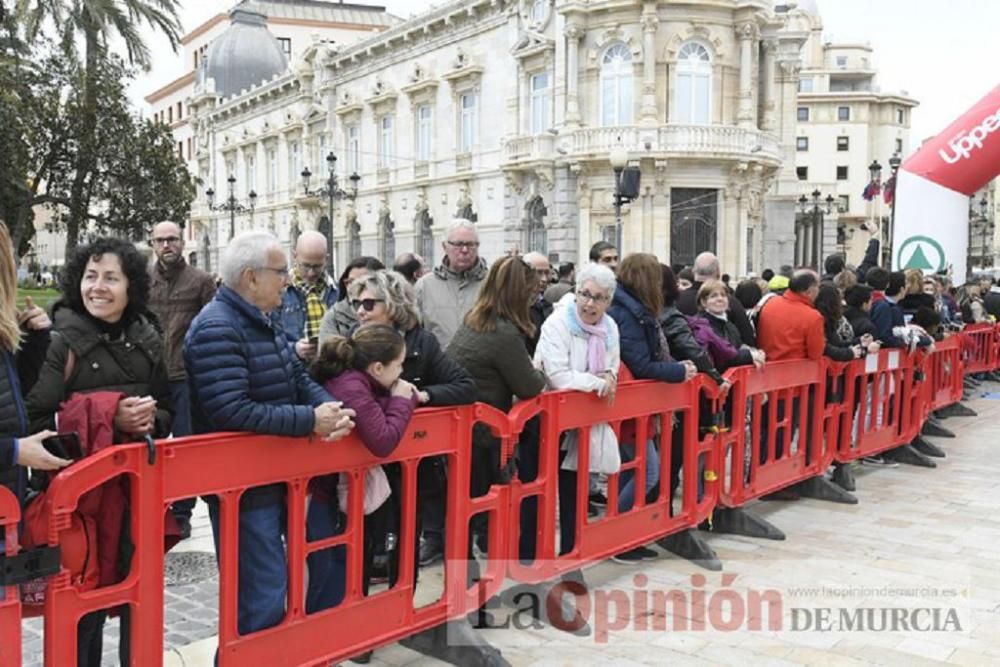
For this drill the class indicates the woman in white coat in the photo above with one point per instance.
(579, 350)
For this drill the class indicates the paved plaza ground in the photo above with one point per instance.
(918, 540)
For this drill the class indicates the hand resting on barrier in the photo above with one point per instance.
(333, 421)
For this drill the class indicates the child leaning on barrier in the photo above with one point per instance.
(363, 372)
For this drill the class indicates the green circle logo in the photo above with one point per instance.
(921, 252)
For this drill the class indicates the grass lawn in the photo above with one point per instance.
(41, 297)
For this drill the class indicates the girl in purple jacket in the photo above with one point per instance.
(363, 372)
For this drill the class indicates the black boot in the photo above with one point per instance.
(456, 643)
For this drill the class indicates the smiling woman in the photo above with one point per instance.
(104, 344)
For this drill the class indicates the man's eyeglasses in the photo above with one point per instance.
(367, 304)
(464, 245)
(311, 268)
(282, 272)
(586, 296)
(166, 240)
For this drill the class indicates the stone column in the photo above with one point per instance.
(573, 34)
(747, 33)
(523, 108)
(650, 22)
(768, 75)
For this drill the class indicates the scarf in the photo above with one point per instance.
(597, 340)
(315, 304)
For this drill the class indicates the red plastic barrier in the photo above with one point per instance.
(229, 464)
(839, 411)
(10, 604)
(945, 373)
(778, 404)
(648, 403)
(880, 389)
(981, 353)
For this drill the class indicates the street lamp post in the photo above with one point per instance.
(619, 162)
(332, 191)
(894, 163)
(818, 215)
(986, 231)
(232, 204)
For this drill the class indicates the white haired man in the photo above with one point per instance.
(244, 376)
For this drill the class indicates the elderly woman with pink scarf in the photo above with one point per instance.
(579, 350)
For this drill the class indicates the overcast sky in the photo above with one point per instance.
(944, 54)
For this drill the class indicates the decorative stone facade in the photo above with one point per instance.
(507, 111)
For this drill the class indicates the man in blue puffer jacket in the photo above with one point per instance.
(244, 376)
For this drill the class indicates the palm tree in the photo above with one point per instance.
(97, 23)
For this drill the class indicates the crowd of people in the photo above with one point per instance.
(284, 348)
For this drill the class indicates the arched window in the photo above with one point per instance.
(694, 85)
(616, 86)
(539, 11)
(537, 235)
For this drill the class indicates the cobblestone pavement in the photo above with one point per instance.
(912, 527)
(191, 598)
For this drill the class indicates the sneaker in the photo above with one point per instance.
(879, 461)
(431, 552)
(599, 499)
(636, 555)
(592, 510)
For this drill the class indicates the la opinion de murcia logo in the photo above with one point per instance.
(965, 142)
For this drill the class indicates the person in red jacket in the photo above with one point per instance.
(790, 328)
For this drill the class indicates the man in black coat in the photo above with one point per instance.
(706, 267)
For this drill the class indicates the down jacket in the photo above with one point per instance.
(17, 374)
(243, 374)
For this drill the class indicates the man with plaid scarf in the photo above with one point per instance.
(311, 291)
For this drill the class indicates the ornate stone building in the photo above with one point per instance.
(506, 111)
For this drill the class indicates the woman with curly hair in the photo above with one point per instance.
(104, 341)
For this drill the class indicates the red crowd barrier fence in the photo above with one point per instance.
(10, 600)
(643, 411)
(981, 353)
(772, 428)
(776, 432)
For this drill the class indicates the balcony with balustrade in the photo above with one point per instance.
(699, 142)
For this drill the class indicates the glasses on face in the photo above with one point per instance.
(282, 272)
(464, 245)
(311, 268)
(367, 304)
(585, 296)
(166, 240)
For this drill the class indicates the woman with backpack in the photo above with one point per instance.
(104, 344)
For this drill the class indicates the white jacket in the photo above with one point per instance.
(562, 356)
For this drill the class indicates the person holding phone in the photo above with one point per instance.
(104, 341)
(24, 337)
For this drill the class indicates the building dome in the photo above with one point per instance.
(243, 56)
